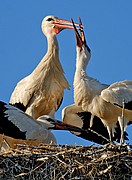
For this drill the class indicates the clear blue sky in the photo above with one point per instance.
(108, 29)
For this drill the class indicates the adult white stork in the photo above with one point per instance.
(109, 103)
(19, 125)
(41, 92)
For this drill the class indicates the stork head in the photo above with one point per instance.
(53, 25)
(83, 51)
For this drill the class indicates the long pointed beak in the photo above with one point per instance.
(78, 37)
(58, 125)
(65, 24)
(82, 32)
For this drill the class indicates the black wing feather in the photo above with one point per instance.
(7, 127)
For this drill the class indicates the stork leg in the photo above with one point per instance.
(110, 134)
(121, 123)
(91, 121)
(109, 129)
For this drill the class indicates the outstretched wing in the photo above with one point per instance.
(95, 132)
(118, 93)
(75, 116)
(98, 132)
(15, 123)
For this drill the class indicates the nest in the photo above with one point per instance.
(59, 162)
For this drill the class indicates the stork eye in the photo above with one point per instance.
(50, 19)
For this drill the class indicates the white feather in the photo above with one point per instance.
(118, 92)
(34, 128)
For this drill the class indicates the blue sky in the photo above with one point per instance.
(108, 30)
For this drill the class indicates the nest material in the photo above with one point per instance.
(59, 162)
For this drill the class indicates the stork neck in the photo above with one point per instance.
(82, 59)
(81, 65)
(51, 58)
(52, 54)
(53, 47)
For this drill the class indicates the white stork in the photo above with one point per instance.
(109, 103)
(41, 92)
(17, 124)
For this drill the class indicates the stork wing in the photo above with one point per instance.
(15, 123)
(75, 116)
(98, 132)
(118, 93)
(23, 92)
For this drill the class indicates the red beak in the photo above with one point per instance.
(65, 24)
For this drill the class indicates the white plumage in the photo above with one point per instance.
(118, 92)
(17, 124)
(42, 91)
(103, 101)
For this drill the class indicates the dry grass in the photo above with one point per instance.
(58, 162)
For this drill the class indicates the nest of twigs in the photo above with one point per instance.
(58, 162)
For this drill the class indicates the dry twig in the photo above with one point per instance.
(66, 162)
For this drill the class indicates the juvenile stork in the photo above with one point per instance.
(109, 103)
(17, 124)
(41, 92)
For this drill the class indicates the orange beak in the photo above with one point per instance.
(61, 24)
(80, 38)
(59, 125)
